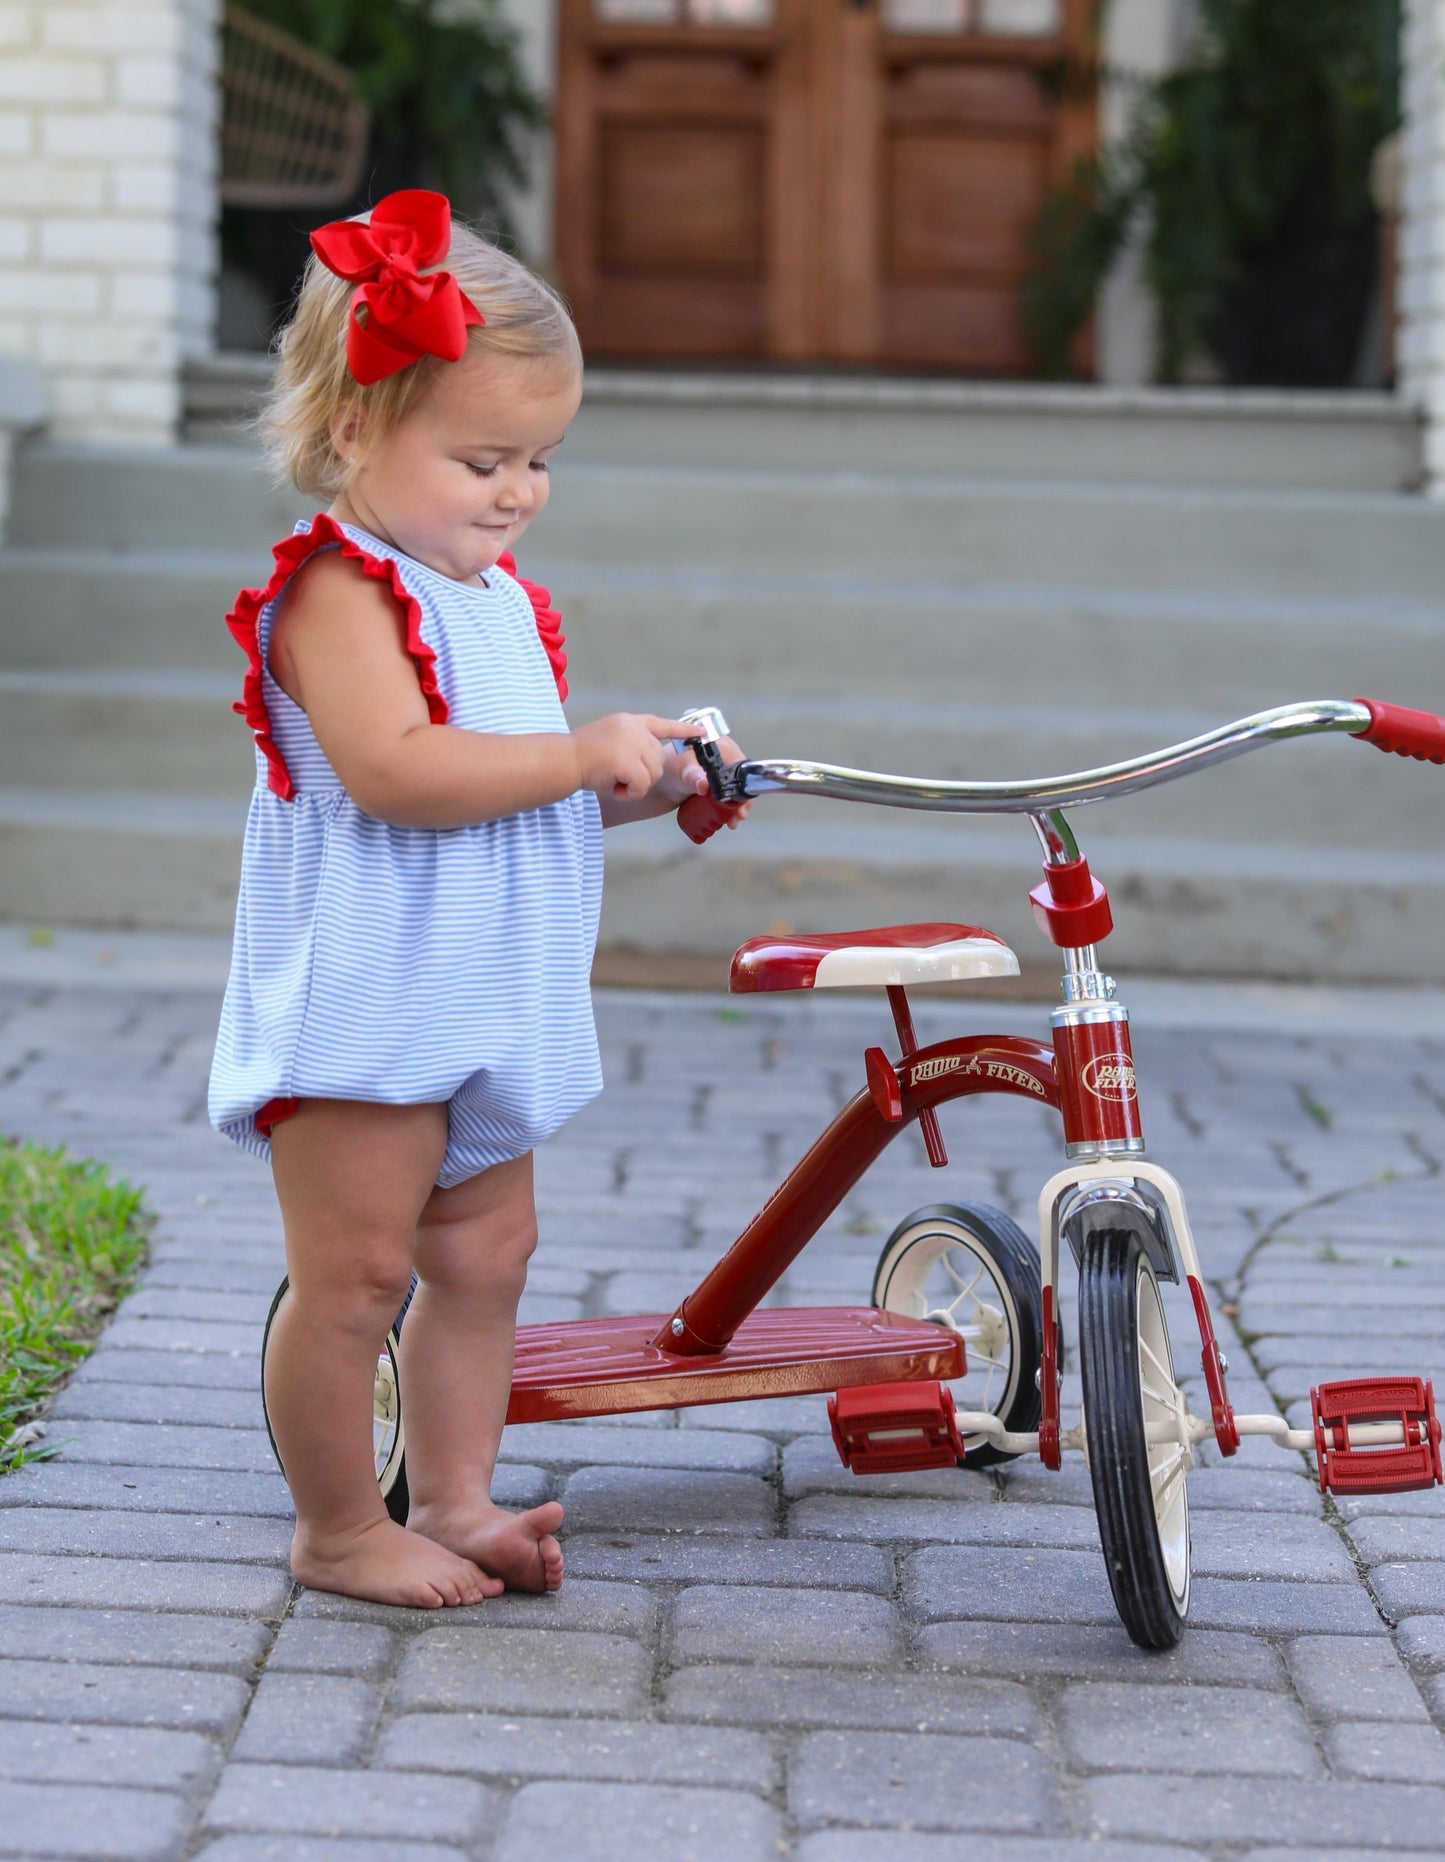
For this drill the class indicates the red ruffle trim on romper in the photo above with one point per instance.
(244, 621)
(549, 621)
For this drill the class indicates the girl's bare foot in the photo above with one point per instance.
(388, 1563)
(518, 1548)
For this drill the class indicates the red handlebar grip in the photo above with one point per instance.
(1419, 734)
(701, 816)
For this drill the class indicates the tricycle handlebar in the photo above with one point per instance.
(1390, 726)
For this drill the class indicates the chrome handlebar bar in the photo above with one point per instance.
(1042, 795)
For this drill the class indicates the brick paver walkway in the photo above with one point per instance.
(755, 1653)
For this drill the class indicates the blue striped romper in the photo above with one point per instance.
(411, 965)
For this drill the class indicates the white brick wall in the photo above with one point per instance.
(1421, 345)
(108, 204)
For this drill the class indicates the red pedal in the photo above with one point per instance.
(1409, 1457)
(895, 1428)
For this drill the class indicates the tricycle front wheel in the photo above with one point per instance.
(1133, 1422)
(974, 1270)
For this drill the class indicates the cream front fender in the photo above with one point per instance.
(1143, 1189)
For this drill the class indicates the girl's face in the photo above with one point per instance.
(463, 473)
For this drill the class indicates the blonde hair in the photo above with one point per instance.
(313, 386)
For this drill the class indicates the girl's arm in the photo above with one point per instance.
(336, 649)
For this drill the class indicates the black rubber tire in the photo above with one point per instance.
(398, 1495)
(1013, 1260)
(395, 1492)
(1151, 1606)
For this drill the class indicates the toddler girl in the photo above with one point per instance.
(408, 1013)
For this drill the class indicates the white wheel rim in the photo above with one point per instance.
(386, 1435)
(1167, 1448)
(940, 1274)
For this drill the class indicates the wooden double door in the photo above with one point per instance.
(845, 181)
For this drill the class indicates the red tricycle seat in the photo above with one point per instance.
(891, 954)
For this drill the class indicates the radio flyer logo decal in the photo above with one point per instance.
(930, 1069)
(1111, 1076)
(1002, 1070)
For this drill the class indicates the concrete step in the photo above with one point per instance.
(119, 857)
(1282, 545)
(1262, 910)
(177, 498)
(173, 733)
(634, 629)
(150, 609)
(921, 428)
(159, 730)
(124, 859)
(1279, 545)
(817, 637)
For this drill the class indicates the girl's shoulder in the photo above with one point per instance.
(330, 593)
(325, 571)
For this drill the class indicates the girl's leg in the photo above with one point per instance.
(352, 1179)
(473, 1244)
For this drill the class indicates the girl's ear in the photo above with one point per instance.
(348, 433)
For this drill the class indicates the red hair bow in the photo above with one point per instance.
(407, 315)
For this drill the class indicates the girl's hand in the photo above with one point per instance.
(625, 756)
(684, 777)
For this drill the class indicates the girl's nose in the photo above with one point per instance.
(518, 493)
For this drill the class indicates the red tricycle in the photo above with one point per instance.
(956, 1359)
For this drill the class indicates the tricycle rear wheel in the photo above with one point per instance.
(973, 1269)
(387, 1434)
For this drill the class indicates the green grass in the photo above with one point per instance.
(72, 1239)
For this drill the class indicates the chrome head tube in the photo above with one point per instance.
(1056, 837)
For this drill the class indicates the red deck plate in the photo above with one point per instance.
(598, 1367)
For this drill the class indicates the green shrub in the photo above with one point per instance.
(1249, 170)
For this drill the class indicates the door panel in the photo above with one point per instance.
(809, 179)
(689, 319)
(969, 139)
(957, 206)
(681, 125)
(677, 199)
